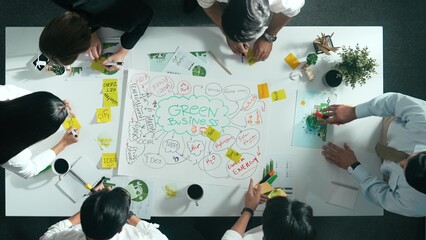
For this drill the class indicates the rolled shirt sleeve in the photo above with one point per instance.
(231, 235)
(290, 8)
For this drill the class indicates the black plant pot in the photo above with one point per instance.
(332, 78)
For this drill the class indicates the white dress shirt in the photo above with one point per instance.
(253, 234)
(65, 230)
(407, 131)
(23, 164)
(290, 8)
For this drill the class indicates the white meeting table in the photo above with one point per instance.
(312, 174)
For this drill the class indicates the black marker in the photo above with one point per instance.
(114, 64)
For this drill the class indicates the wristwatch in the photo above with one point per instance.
(352, 167)
(270, 38)
(246, 209)
(130, 214)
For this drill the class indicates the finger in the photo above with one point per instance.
(99, 49)
(90, 54)
(334, 147)
(347, 148)
(250, 189)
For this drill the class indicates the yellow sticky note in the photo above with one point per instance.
(97, 65)
(277, 192)
(263, 90)
(250, 57)
(278, 95)
(109, 160)
(71, 122)
(266, 187)
(292, 61)
(233, 155)
(110, 86)
(212, 133)
(111, 99)
(103, 115)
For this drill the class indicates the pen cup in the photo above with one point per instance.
(194, 192)
(60, 166)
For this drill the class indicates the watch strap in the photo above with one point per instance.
(352, 167)
(246, 209)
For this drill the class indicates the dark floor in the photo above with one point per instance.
(404, 24)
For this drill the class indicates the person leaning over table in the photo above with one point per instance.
(28, 118)
(282, 219)
(242, 21)
(74, 32)
(405, 191)
(105, 215)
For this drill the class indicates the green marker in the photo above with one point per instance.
(272, 179)
(267, 169)
(271, 165)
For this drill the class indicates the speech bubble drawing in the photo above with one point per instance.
(184, 87)
(236, 92)
(210, 162)
(224, 142)
(181, 115)
(135, 131)
(140, 79)
(248, 138)
(249, 102)
(171, 145)
(244, 168)
(161, 85)
(213, 89)
(195, 147)
(154, 160)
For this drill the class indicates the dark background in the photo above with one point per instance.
(404, 35)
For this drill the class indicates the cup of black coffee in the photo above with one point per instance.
(194, 192)
(60, 166)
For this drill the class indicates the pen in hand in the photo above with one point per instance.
(114, 64)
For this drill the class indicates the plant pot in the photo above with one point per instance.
(332, 78)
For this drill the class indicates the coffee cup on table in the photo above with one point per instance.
(194, 192)
(60, 166)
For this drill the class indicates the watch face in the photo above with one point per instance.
(270, 38)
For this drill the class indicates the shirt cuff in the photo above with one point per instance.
(360, 173)
(231, 235)
(362, 111)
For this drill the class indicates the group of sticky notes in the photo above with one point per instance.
(263, 92)
(110, 92)
(214, 135)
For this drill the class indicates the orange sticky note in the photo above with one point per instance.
(71, 122)
(103, 115)
(266, 187)
(109, 160)
(292, 61)
(263, 90)
(233, 155)
(278, 95)
(212, 133)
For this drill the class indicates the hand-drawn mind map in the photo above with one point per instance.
(164, 123)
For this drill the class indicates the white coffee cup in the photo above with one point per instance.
(60, 166)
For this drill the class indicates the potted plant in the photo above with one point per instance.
(311, 59)
(332, 78)
(356, 66)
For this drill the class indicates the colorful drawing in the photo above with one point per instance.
(310, 131)
(167, 129)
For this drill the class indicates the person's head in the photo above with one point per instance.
(64, 38)
(27, 120)
(104, 213)
(242, 20)
(415, 171)
(286, 219)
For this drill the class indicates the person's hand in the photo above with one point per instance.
(340, 114)
(263, 198)
(237, 47)
(261, 49)
(69, 138)
(95, 49)
(68, 107)
(341, 157)
(252, 198)
(116, 57)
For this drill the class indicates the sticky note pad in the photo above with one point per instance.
(71, 122)
(266, 187)
(212, 133)
(109, 160)
(97, 65)
(111, 99)
(263, 90)
(250, 57)
(233, 155)
(277, 193)
(110, 86)
(278, 95)
(103, 115)
(292, 61)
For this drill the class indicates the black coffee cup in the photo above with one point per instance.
(195, 192)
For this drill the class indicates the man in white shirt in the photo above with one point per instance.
(105, 215)
(242, 21)
(405, 191)
(282, 219)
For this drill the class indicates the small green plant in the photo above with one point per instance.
(58, 70)
(311, 59)
(356, 66)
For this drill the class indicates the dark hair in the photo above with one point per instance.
(415, 172)
(64, 38)
(104, 213)
(286, 219)
(27, 120)
(242, 20)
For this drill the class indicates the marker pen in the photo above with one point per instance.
(74, 133)
(114, 64)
